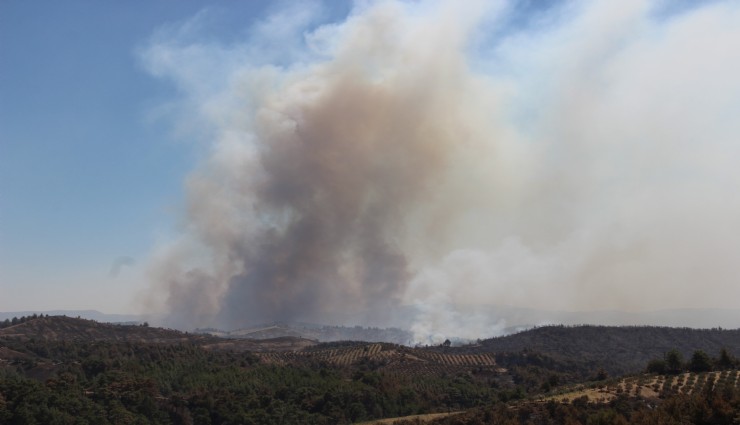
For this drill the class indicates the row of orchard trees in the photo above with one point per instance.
(673, 362)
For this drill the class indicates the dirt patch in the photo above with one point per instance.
(423, 418)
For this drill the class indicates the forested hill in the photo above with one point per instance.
(622, 349)
(618, 350)
(76, 329)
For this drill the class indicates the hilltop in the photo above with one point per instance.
(71, 329)
(617, 349)
(63, 328)
(84, 314)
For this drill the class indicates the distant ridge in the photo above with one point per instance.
(323, 333)
(73, 329)
(77, 329)
(519, 317)
(513, 319)
(83, 314)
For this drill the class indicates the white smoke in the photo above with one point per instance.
(580, 157)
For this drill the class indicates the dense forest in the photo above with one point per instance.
(107, 382)
(66, 371)
(618, 349)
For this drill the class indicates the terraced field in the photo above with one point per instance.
(651, 386)
(399, 359)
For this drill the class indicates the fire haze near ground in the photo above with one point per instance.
(435, 155)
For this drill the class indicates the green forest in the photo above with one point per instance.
(148, 379)
(136, 383)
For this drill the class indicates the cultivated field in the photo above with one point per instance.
(390, 357)
(651, 386)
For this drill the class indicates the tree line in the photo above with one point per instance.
(673, 362)
(17, 321)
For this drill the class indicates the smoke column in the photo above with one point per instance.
(433, 157)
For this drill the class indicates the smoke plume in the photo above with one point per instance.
(426, 157)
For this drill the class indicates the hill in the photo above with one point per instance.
(70, 329)
(689, 398)
(104, 373)
(84, 314)
(577, 350)
(617, 349)
(76, 329)
(63, 370)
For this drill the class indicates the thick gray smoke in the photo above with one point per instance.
(420, 155)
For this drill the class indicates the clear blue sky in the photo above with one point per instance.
(87, 173)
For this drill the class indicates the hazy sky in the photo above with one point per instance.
(605, 140)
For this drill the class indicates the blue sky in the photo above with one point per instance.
(605, 136)
(87, 171)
